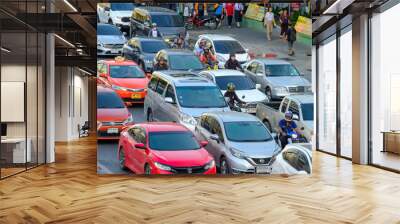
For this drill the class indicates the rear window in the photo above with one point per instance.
(109, 100)
(173, 141)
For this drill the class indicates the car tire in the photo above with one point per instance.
(150, 117)
(224, 167)
(147, 169)
(268, 125)
(268, 93)
(122, 160)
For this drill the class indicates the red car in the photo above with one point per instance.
(163, 148)
(112, 114)
(125, 77)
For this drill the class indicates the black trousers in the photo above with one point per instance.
(230, 20)
(284, 140)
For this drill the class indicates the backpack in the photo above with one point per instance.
(292, 34)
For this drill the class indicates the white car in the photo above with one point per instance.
(118, 14)
(246, 90)
(110, 40)
(222, 46)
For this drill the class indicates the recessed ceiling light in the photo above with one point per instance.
(70, 5)
(5, 50)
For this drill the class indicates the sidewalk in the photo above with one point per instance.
(258, 45)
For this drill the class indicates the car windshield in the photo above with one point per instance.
(228, 46)
(281, 70)
(109, 100)
(246, 131)
(167, 20)
(185, 62)
(200, 97)
(173, 141)
(108, 30)
(126, 71)
(240, 82)
(308, 111)
(122, 6)
(153, 46)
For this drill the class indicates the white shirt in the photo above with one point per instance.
(239, 6)
(269, 16)
(154, 33)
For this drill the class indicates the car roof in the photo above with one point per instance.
(183, 78)
(225, 72)
(142, 39)
(172, 51)
(273, 61)
(162, 126)
(217, 37)
(232, 116)
(302, 98)
(156, 10)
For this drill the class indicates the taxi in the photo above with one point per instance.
(112, 115)
(125, 77)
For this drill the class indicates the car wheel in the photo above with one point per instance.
(122, 160)
(268, 125)
(268, 92)
(147, 169)
(150, 116)
(224, 166)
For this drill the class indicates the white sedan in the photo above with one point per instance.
(246, 90)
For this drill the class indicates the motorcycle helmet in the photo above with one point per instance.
(231, 87)
(289, 116)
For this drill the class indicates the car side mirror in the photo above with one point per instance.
(258, 86)
(214, 137)
(107, 9)
(169, 100)
(204, 143)
(140, 146)
(296, 117)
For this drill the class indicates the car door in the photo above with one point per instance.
(215, 148)
(169, 111)
(260, 75)
(250, 71)
(133, 153)
(158, 101)
(141, 153)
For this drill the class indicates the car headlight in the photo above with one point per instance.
(220, 58)
(188, 119)
(281, 89)
(128, 120)
(294, 135)
(209, 165)
(162, 166)
(237, 153)
(114, 87)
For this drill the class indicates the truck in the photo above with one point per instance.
(302, 107)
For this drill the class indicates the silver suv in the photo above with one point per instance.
(239, 142)
(181, 97)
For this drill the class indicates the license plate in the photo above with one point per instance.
(112, 131)
(263, 169)
(115, 51)
(136, 96)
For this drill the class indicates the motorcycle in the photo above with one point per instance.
(294, 137)
(206, 21)
(233, 106)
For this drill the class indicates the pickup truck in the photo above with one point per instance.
(302, 107)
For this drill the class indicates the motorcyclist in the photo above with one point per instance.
(232, 63)
(286, 126)
(161, 65)
(200, 48)
(232, 96)
(208, 58)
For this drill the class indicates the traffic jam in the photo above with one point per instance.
(171, 102)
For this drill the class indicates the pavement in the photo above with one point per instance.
(255, 41)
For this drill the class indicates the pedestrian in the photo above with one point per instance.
(284, 20)
(291, 38)
(229, 10)
(219, 13)
(238, 13)
(269, 21)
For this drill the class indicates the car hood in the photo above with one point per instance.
(183, 158)
(125, 13)
(242, 58)
(256, 149)
(251, 95)
(289, 81)
(112, 115)
(196, 112)
(111, 39)
(139, 83)
(309, 124)
(171, 31)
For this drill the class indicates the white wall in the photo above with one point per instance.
(71, 102)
